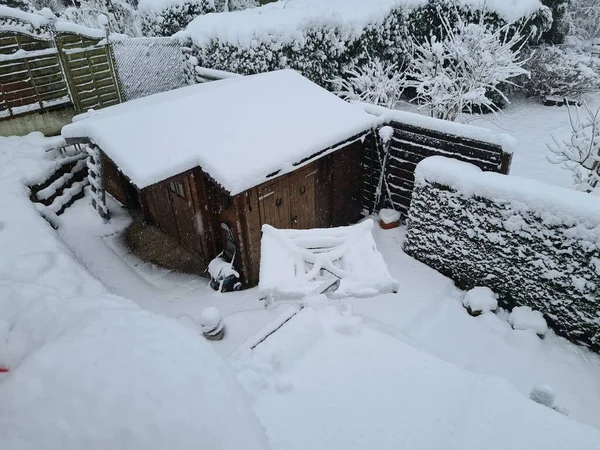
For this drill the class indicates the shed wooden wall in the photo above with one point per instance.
(195, 219)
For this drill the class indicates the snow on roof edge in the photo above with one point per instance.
(544, 199)
(507, 142)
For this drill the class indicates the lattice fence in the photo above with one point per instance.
(147, 66)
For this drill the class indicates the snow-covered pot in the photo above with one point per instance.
(389, 218)
(212, 324)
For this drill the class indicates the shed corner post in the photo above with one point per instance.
(95, 164)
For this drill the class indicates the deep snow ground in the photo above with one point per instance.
(426, 313)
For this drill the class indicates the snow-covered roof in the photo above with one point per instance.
(295, 263)
(238, 130)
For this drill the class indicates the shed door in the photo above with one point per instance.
(184, 213)
(274, 203)
(302, 198)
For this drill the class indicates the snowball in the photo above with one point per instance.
(388, 216)
(480, 299)
(210, 319)
(386, 133)
(543, 394)
(102, 20)
(524, 318)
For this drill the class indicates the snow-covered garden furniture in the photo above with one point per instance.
(296, 263)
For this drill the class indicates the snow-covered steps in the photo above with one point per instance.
(63, 187)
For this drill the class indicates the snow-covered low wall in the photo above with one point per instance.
(324, 38)
(534, 244)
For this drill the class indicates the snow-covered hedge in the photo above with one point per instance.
(323, 39)
(167, 17)
(561, 71)
(533, 244)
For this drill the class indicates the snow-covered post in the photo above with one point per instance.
(95, 167)
(384, 139)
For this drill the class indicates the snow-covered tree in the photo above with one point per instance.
(584, 18)
(463, 71)
(560, 71)
(377, 82)
(18, 4)
(122, 16)
(581, 153)
(235, 5)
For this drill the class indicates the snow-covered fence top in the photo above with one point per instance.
(413, 137)
(534, 244)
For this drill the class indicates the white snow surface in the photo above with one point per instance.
(70, 27)
(316, 386)
(507, 142)
(89, 369)
(283, 21)
(525, 318)
(553, 203)
(294, 263)
(239, 130)
(481, 298)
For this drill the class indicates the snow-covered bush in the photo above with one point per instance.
(560, 71)
(584, 19)
(167, 17)
(463, 71)
(581, 153)
(235, 5)
(480, 300)
(560, 23)
(525, 318)
(376, 82)
(122, 16)
(533, 244)
(325, 39)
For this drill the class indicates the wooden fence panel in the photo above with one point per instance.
(31, 78)
(90, 71)
(410, 145)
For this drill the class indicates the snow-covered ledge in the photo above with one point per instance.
(506, 142)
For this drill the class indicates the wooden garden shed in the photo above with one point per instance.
(234, 154)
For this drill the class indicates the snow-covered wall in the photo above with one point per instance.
(534, 244)
(323, 38)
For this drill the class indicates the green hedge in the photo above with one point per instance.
(171, 19)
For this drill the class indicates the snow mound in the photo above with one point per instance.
(525, 318)
(211, 320)
(295, 263)
(90, 370)
(543, 394)
(480, 299)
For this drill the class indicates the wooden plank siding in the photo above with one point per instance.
(32, 81)
(409, 146)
